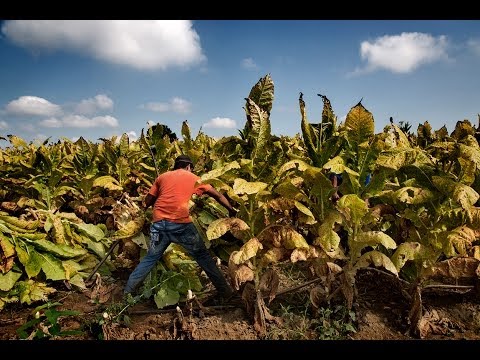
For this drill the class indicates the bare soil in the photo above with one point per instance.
(382, 313)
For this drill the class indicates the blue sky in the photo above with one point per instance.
(100, 78)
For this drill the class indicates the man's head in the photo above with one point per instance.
(182, 161)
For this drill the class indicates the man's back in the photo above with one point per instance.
(173, 190)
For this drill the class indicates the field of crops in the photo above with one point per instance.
(407, 207)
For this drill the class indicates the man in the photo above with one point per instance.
(169, 195)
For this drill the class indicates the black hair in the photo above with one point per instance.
(182, 161)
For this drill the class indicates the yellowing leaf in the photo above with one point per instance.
(377, 259)
(405, 252)
(371, 238)
(108, 182)
(215, 173)
(241, 186)
(302, 208)
(293, 164)
(239, 273)
(273, 255)
(303, 254)
(283, 235)
(461, 238)
(247, 251)
(352, 207)
(219, 227)
(33, 291)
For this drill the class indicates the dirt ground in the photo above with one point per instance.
(382, 313)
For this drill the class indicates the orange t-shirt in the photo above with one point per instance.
(173, 190)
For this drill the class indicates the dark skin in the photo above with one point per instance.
(219, 197)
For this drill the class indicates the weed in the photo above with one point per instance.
(44, 323)
(334, 324)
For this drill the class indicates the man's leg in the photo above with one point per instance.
(190, 239)
(158, 245)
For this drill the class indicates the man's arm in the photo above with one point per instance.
(149, 201)
(222, 200)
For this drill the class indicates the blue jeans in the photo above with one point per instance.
(162, 234)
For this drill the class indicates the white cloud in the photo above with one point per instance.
(52, 123)
(176, 104)
(28, 127)
(141, 44)
(221, 123)
(180, 105)
(132, 136)
(402, 53)
(79, 121)
(33, 105)
(474, 45)
(249, 64)
(3, 125)
(93, 105)
(39, 138)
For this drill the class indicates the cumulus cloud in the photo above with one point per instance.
(3, 125)
(176, 104)
(90, 106)
(141, 44)
(219, 122)
(474, 45)
(33, 105)
(79, 121)
(249, 64)
(132, 135)
(402, 53)
(40, 138)
(28, 127)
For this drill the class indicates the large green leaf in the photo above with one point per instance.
(60, 250)
(52, 267)
(8, 280)
(30, 259)
(91, 230)
(310, 139)
(123, 171)
(166, 296)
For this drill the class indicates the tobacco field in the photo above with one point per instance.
(392, 252)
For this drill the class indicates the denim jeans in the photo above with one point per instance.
(162, 234)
